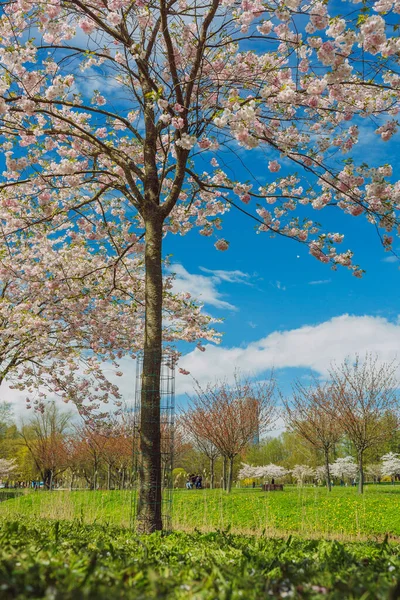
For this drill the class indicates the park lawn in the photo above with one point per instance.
(307, 511)
(62, 560)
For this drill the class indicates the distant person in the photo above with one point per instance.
(188, 484)
(254, 484)
(199, 480)
(272, 481)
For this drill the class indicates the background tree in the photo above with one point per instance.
(178, 80)
(344, 468)
(309, 414)
(90, 442)
(364, 400)
(8, 468)
(303, 472)
(232, 415)
(391, 465)
(192, 427)
(44, 438)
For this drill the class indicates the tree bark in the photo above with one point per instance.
(108, 477)
(360, 473)
(224, 470)
(328, 474)
(230, 474)
(149, 502)
(212, 473)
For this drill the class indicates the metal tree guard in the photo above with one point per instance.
(167, 421)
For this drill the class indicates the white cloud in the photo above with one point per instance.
(312, 347)
(229, 276)
(204, 288)
(390, 259)
(319, 281)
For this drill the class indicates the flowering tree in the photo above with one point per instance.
(232, 415)
(309, 414)
(55, 331)
(7, 467)
(375, 471)
(302, 472)
(365, 403)
(114, 115)
(191, 428)
(269, 472)
(344, 468)
(390, 464)
(44, 436)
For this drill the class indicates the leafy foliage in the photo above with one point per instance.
(62, 561)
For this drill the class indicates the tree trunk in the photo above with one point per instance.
(46, 479)
(360, 473)
(212, 473)
(149, 502)
(224, 470)
(230, 474)
(108, 477)
(328, 474)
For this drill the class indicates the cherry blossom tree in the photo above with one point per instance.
(116, 118)
(56, 332)
(191, 426)
(344, 468)
(302, 472)
(375, 471)
(309, 414)
(365, 403)
(390, 464)
(232, 415)
(7, 467)
(44, 436)
(266, 472)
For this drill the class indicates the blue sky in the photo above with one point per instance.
(281, 307)
(274, 286)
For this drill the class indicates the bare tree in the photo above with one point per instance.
(44, 436)
(309, 414)
(89, 452)
(231, 416)
(365, 403)
(192, 428)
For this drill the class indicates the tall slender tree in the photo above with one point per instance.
(308, 412)
(365, 403)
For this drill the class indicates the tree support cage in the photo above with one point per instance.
(167, 420)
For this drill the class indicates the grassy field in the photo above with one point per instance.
(307, 511)
(61, 560)
(78, 546)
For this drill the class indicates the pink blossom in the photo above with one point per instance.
(178, 122)
(221, 245)
(274, 166)
(87, 26)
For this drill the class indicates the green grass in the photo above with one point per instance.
(308, 511)
(53, 560)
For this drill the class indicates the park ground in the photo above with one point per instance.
(300, 543)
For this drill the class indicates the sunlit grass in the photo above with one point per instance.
(309, 511)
